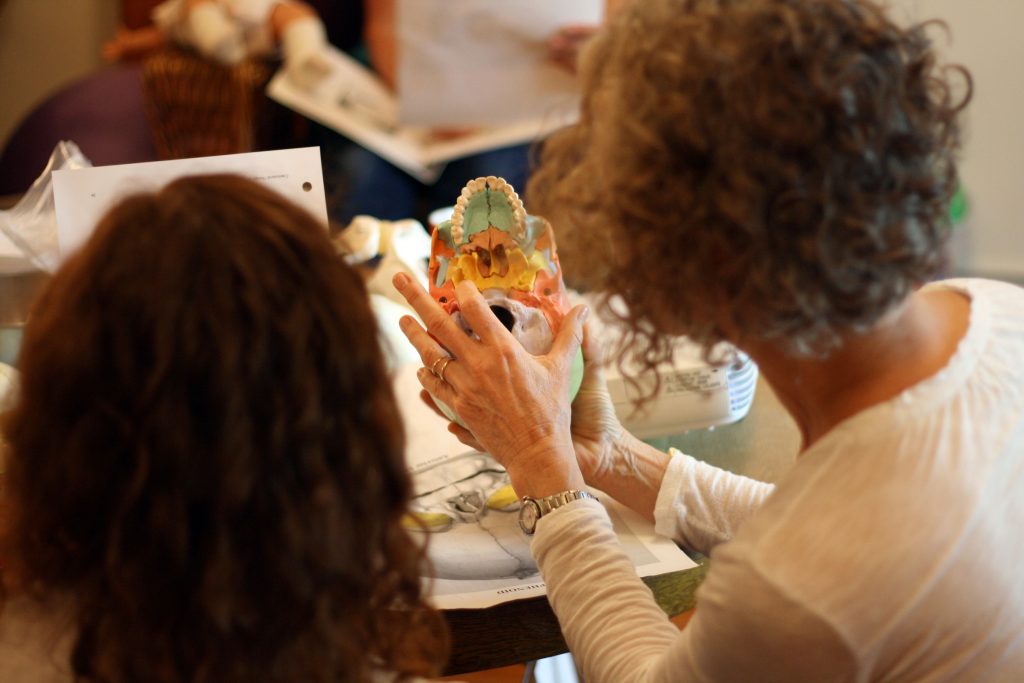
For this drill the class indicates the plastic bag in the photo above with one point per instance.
(32, 223)
(400, 246)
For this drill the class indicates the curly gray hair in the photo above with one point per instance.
(755, 169)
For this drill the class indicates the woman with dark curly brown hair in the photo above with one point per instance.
(205, 477)
(774, 175)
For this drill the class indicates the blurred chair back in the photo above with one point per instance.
(102, 112)
(199, 108)
(137, 13)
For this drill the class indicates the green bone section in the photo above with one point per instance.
(485, 208)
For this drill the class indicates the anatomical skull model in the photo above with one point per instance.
(510, 257)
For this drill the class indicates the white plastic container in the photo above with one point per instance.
(692, 394)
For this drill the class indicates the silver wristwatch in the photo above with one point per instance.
(533, 509)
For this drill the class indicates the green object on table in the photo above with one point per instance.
(958, 207)
(676, 592)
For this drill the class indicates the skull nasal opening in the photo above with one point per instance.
(504, 316)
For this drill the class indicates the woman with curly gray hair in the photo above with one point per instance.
(773, 175)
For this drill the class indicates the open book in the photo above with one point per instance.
(354, 102)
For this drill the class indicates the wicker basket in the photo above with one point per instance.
(199, 108)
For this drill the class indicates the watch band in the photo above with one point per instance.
(557, 500)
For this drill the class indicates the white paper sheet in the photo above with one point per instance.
(82, 196)
(354, 102)
(484, 63)
(484, 560)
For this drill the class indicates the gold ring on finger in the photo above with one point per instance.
(439, 366)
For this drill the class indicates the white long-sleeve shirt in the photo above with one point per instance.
(892, 551)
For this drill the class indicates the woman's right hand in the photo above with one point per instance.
(596, 430)
(516, 404)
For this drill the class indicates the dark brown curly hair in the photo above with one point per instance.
(207, 456)
(755, 169)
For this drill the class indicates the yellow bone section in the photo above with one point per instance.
(427, 521)
(504, 498)
(521, 272)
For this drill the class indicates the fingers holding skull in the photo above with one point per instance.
(512, 402)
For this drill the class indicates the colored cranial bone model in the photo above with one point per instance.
(510, 256)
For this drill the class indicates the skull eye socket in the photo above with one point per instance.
(504, 316)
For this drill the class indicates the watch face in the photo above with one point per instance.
(529, 513)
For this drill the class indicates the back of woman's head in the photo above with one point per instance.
(206, 454)
(781, 167)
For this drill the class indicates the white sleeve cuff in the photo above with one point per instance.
(669, 508)
(700, 505)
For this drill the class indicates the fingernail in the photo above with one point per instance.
(400, 280)
(584, 314)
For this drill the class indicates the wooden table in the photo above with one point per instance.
(527, 630)
(763, 445)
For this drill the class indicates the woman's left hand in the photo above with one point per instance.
(515, 404)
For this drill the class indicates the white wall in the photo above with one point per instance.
(45, 44)
(985, 37)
